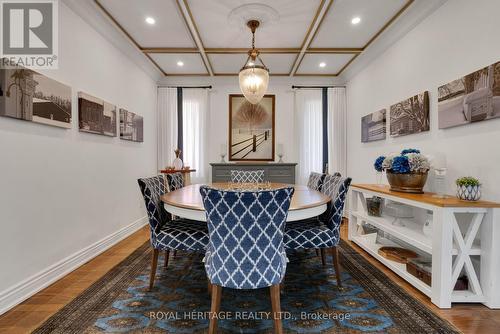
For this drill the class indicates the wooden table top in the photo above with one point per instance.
(189, 197)
(428, 197)
(171, 171)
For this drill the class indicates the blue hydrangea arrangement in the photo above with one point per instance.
(408, 161)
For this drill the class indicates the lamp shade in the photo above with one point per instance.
(253, 82)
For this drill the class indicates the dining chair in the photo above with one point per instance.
(168, 234)
(175, 181)
(322, 232)
(315, 180)
(245, 249)
(247, 176)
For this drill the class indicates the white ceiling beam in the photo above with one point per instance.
(188, 19)
(318, 19)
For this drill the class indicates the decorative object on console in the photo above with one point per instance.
(427, 228)
(410, 116)
(421, 268)
(406, 172)
(397, 254)
(33, 97)
(468, 188)
(472, 98)
(402, 213)
(223, 152)
(374, 206)
(178, 164)
(131, 126)
(253, 77)
(373, 126)
(251, 129)
(439, 165)
(280, 153)
(96, 115)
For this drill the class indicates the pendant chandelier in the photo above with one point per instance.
(253, 77)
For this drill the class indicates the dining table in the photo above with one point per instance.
(186, 202)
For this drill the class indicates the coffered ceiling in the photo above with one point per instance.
(201, 37)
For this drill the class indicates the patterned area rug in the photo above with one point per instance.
(311, 302)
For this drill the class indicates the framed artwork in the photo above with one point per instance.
(31, 96)
(251, 129)
(131, 126)
(410, 116)
(472, 98)
(96, 116)
(373, 126)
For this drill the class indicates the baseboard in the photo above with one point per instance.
(27, 288)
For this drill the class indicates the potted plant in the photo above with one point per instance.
(468, 188)
(406, 172)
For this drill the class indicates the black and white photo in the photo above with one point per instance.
(373, 126)
(410, 116)
(472, 98)
(96, 116)
(131, 126)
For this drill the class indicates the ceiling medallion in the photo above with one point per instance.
(254, 77)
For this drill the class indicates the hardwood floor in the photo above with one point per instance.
(468, 318)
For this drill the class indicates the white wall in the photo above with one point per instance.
(457, 39)
(219, 109)
(61, 190)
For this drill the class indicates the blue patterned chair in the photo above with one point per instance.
(315, 180)
(175, 181)
(167, 234)
(246, 249)
(247, 176)
(322, 232)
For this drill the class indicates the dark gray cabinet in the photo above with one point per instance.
(273, 172)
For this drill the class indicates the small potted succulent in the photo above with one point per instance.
(468, 188)
(406, 172)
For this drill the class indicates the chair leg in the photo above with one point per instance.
(336, 265)
(275, 302)
(317, 252)
(209, 287)
(167, 254)
(216, 294)
(154, 263)
(175, 254)
(323, 260)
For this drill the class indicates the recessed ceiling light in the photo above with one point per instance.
(150, 20)
(322, 64)
(180, 63)
(356, 20)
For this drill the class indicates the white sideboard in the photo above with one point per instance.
(465, 238)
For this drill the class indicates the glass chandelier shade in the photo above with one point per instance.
(253, 77)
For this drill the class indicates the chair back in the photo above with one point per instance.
(247, 176)
(245, 249)
(336, 187)
(315, 180)
(152, 188)
(175, 181)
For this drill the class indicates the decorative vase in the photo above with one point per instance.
(469, 193)
(178, 164)
(407, 183)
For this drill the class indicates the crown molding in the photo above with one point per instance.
(402, 25)
(94, 17)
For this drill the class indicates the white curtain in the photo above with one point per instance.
(194, 129)
(337, 122)
(167, 126)
(309, 129)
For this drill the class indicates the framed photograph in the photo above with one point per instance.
(373, 126)
(251, 129)
(410, 116)
(131, 126)
(96, 116)
(472, 98)
(31, 96)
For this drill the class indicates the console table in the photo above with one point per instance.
(273, 172)
(465, 238)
